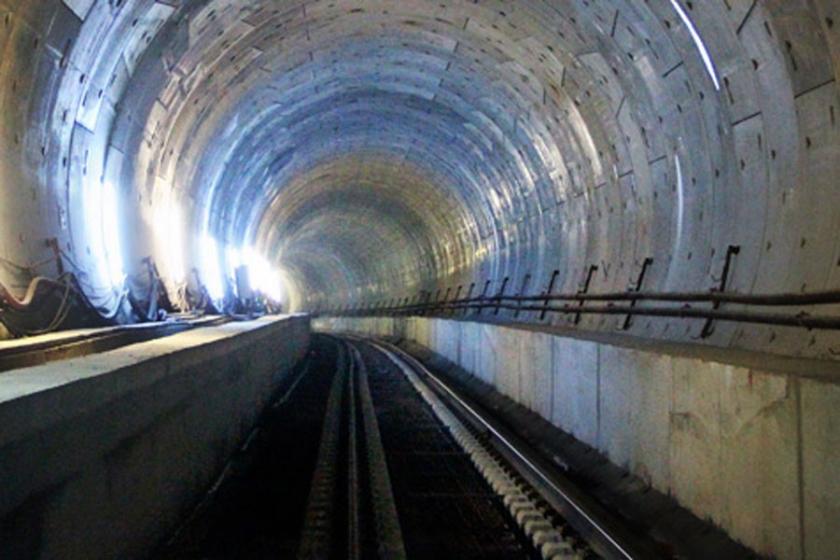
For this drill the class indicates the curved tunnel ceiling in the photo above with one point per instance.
(371, 151)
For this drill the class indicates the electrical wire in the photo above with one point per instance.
(70, 285)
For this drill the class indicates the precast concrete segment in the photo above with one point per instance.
(384, 149)
(101, 455)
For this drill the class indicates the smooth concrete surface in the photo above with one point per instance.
(754, 450)
(575, 394)
(536, 370)
(76, 335)
(487, 352)
(634, 391)
(820, 441)
(50, 338)
(101, 456)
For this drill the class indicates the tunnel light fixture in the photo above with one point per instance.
(233, 259)
(264, 278)
(101, 211)
(211, 271)
(169, 228)
(698, 42)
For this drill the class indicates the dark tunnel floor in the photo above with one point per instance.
(445, 508)
(256, 511)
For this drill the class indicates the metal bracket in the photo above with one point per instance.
(465, 309)
(525, 281)
(501, 294)
(52, 243)
(585, 288)
(483, 296)
(453, 311)
(731, 252)
(628, 322)
(548, 292)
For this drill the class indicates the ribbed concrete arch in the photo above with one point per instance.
(378, 217)
(374, 150)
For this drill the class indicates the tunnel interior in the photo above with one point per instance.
(353, 154)
(663, 172)
(359, 153)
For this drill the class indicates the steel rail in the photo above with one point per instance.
(367, 508)
(617, 542)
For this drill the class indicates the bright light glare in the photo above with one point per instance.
(101, 212)
(169, 228)
(233, 259)
(680, 197)
(263, 277)
(212, 273)
(111, 234)
(698, 42)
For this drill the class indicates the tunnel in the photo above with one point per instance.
(620, 217)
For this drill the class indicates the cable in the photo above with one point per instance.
(70, 284)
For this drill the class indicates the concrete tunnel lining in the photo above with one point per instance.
(374, 151)
(558, 136)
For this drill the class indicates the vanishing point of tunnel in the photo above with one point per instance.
(523, 278)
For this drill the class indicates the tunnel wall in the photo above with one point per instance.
(102, 456)
(747, 442)
(540, 137)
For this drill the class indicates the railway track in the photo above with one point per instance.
(372, 526)
(392, 463)
(555, 519)
(558, 518)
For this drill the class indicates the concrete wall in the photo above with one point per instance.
(754, 449)
(556, 136)
(101, 456)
